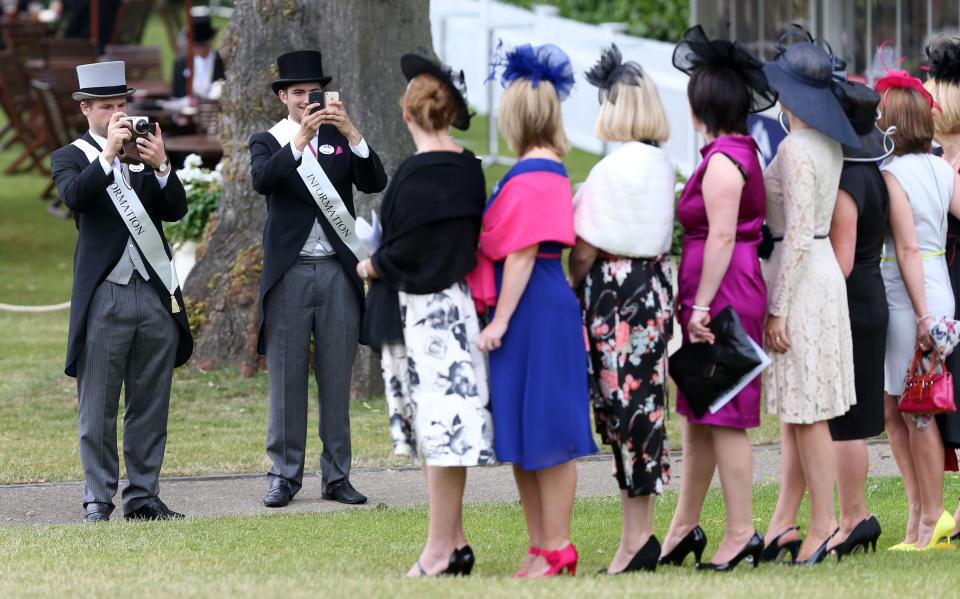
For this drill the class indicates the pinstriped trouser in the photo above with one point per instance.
(131, 340)
(313, 297)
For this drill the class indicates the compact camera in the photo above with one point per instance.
(141, 125)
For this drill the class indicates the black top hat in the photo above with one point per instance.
(802, 74)
(203, 29)
(860, 103)
(417, 64)
(298, 67)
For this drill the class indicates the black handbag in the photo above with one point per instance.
(704, 372)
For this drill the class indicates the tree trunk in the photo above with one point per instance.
(361, 41)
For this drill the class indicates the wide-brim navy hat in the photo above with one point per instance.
(299, 67)
(416, 64)
(802, 74)
(860, 103)
(102, 80)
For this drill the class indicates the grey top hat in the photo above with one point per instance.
(102, 80)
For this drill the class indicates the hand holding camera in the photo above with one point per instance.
(335, 114)
(149, 144)
(118, 132)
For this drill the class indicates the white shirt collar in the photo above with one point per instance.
(101, 141)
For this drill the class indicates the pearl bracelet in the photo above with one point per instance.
(697, 308)
(923, 317)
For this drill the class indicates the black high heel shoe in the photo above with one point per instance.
(695, 541)
(774, 550)
(864, 535)
(645, 559)
(820, 553)
(466, 560)
(751, 552)
(453, 566)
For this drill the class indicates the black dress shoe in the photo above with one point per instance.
(344, 492)
(695, 541)
(153, 509)
(645, 559)
(750, 552)
(97, 512)
(279, 494)
(864, 535)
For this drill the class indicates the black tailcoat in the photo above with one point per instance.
(179, 89)
(103, 236)
(291, 209)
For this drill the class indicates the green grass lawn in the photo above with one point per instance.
(364, 552)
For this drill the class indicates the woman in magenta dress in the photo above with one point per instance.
(722, 211)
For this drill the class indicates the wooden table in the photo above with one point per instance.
(208, 147)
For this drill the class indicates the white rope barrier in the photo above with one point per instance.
(34, 309)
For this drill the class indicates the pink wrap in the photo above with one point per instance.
(530, 208)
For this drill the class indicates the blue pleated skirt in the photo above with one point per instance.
(538, 376)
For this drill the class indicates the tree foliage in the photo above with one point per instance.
(664, 20)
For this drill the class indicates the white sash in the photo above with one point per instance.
(323, 192)
(138, 222)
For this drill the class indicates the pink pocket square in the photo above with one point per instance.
(339, 151)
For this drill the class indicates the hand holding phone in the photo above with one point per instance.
(316, 97)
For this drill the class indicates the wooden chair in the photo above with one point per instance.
(25, 38)
(69, 52)
(60, 129)
(19, 103)
(143, 63)
(131, 21)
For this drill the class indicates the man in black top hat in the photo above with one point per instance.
(307, 165)
(207, 64)
(128, 324)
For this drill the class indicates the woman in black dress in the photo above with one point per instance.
(857, 233)
(944, 86)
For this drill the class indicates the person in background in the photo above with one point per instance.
(944, 86)
(623, 218)
(207, 64)
(722, 211)
(810, 380)
(857, 231)
(923, 190)
(538, 376)
(420, 314)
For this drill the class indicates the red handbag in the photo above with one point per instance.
(929, 392)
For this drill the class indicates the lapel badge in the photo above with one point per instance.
(326, 149)
(136, 168)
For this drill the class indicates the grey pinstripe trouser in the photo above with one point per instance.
(313, 297)
(131, 340)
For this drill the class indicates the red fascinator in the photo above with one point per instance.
(903, 79)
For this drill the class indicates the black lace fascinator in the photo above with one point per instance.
(943, 58)
(695, 50)
(421, 62)
(609, 71)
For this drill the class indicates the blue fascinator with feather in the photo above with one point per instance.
(540, 63)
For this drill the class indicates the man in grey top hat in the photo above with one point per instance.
(128, 325)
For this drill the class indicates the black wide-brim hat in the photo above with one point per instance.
(860, 103)
(298, 67)
(415, 64)
(802, 74)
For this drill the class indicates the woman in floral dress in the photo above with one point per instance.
(623, 217)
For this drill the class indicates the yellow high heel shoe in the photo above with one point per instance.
(903, 547)
(941, 534)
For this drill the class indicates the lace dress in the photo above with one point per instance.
(813, 380)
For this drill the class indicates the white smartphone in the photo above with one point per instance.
(330, 96)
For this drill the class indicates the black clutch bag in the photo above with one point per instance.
(704, 372)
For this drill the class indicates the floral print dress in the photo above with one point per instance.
(436, 382)
(628, 316)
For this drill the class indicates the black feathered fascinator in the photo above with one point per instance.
(944, 59)
(609, 71)
(695, 50)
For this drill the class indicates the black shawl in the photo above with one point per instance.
(431, 216)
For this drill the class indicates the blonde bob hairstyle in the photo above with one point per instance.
(946, 94)
(637, 115)
(530, 117)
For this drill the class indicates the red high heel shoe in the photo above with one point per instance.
(560, 560)
(535, 551)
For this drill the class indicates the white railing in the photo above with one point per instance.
(466, 31)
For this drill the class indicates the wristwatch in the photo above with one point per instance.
(162, 169)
